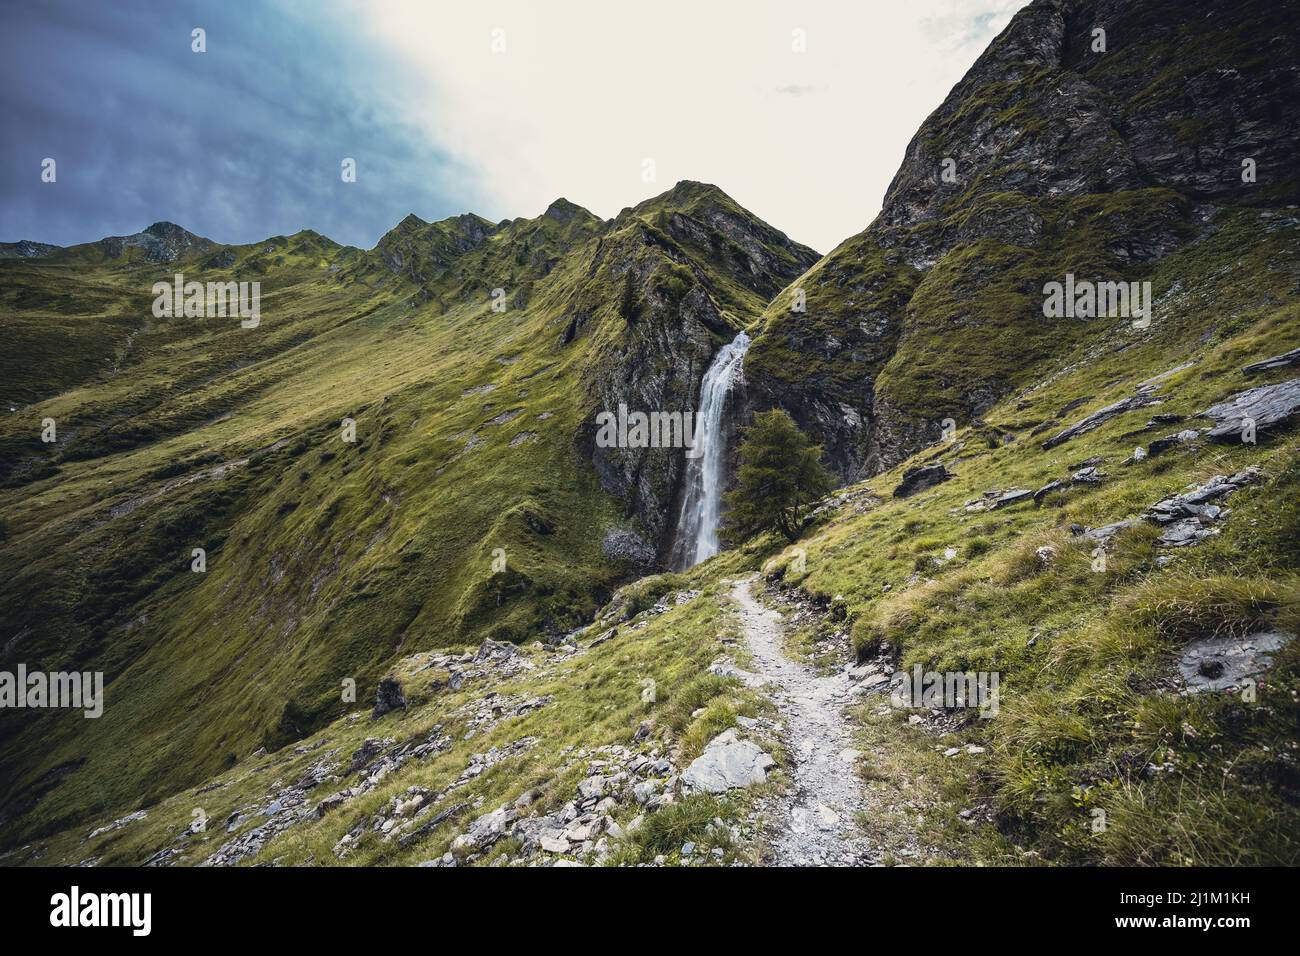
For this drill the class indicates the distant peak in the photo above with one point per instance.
(163, 228)
(686, 193)
(690, 187)
(467, 219)
(26, 249)
(564, 211)
(162, 241)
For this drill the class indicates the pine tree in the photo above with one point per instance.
(781, 479)
(629, 307)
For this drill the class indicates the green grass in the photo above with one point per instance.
(1085, 656)
(597, 701)
(326, 560)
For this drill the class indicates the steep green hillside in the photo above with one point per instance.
(466, 507)
(924, 341)
(1067, 503)
(1087, 631)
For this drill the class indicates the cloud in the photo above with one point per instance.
(496, 108)
(239, 143)
(576, 96)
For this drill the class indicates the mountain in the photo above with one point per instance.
(1064, 159)
(455, 640)
(474, 436)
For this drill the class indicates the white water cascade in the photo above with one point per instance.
(697, 523)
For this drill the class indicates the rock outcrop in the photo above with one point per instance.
(1054, 154)
(389, 697)
(657, 277)
(918, 479)
(1256, 411)
(727, 763)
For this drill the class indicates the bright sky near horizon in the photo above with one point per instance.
(799, 109)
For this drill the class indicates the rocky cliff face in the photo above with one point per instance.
(1054, 154)
(688, 269)
(422, 251)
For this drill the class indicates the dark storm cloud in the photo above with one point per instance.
(239, 143)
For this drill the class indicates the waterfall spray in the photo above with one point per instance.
(697, 523)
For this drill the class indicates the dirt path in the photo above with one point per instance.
(818, 828)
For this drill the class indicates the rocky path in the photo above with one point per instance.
(815, 824)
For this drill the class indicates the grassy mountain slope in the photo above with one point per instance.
(1126, 165)
(1092, 717)
(329, 560)
(326, 559)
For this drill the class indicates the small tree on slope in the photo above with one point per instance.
(781, 479)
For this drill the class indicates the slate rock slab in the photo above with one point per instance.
(1007, 498)
(1100, 417)
(1217, 663)
(727, 762)
(1271, 407)
(1285, 360)
(916, 480)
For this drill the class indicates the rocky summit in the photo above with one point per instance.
(367, 585)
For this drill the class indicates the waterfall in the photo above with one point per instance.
(697, 523)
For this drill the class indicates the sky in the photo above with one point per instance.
(801, 111)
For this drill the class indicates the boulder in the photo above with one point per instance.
(554, 844)
(370, 748)
(1087, 476)
(491, 650)
(1008, 498)
(527, 799)
(1171, 441)
(1196, 503)
(1270, 407)
(1188, 517)
(727, 762)
(916, 480)
(1107, 531)
(646, 789)
(408, 807)
(1048, 488)
(1285, 360)
(485, 831)
(330, 802)
(593, 788)
(389, 696)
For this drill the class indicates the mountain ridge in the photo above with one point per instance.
(174, 430)
(1083, 141)
(475, 535)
